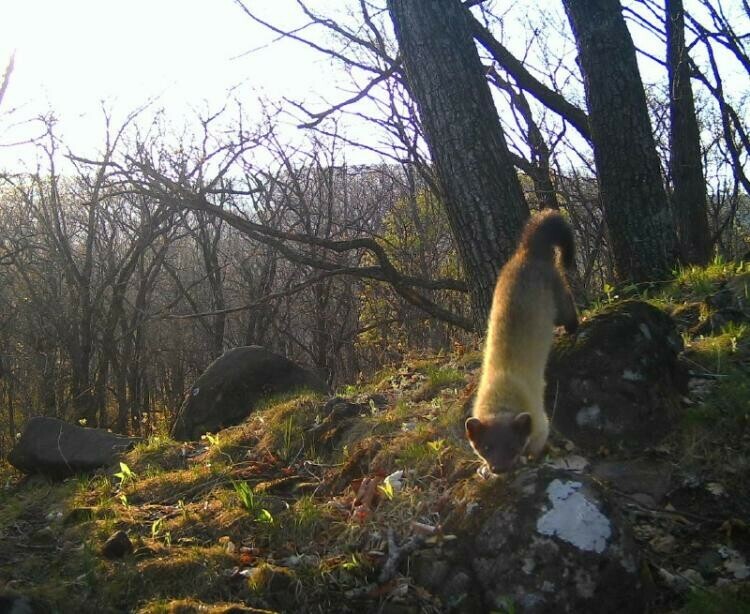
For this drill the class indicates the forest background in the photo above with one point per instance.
(338, 181)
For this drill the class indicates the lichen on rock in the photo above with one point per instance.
(574, 517)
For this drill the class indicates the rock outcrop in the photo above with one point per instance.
(117, 546)
(547, 541)
(618, 382)
(14, 603)
(58, 449)
(231, 387)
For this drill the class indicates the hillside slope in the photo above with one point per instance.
(303, 508)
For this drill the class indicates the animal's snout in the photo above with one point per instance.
(501, 468)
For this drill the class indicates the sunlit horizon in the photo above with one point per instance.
(74, 58)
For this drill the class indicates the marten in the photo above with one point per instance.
(531, 297)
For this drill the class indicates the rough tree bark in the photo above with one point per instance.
(688, 184)
(483, 196)
(635, 203)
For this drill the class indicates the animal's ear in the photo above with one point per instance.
(522, 424)
(473, 428)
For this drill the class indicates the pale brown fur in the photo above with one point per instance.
(531, 297)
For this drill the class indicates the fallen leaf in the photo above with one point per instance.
(395, 480)
(247, 559)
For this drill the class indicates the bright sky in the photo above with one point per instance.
(73, 54)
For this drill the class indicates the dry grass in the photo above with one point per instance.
(191, 526)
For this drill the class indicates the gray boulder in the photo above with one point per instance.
(618, 382)
(546, 541)
(14, 603)
(646, 480)
(232, 386)
(58, 449)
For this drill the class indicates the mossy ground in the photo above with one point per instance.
(274, 497)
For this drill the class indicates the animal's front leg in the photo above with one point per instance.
(539, 436)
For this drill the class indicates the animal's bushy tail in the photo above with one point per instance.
(546, 231)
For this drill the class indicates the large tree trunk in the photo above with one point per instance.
(688, 184)
(635, 202)
(483, 196)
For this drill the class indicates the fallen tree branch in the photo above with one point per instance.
(397, 553)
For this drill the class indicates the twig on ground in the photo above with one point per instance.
(397, 553)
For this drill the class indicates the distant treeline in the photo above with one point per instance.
(124, 272)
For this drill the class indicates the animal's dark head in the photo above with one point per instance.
(501, 440)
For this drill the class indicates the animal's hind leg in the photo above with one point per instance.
(567, 315)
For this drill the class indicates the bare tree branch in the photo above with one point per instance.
(168, 191)
(548, 97)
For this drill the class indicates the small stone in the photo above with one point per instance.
(735, 564)
(117, 546)
(572, 462)
(716, 489)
